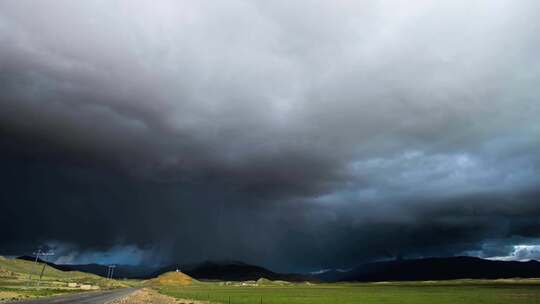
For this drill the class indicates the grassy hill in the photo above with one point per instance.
(19, 279)
(172, 278)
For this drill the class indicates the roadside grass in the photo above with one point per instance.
(18, 293)
(444, 292)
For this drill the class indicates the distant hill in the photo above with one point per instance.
(436, 269)
(399, 270)
(210, 270)
(234, 271)
(229, 271)
(331, 275)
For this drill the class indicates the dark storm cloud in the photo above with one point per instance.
(297, 135)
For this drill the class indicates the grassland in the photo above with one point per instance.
(444, 292)
(15, 283)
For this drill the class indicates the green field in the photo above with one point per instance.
(447, 292)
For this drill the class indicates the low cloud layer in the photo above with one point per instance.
(300, 136)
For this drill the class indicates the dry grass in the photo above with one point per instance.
(8, 295)
(149, 296)
(172, 278)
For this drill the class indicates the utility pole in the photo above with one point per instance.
(110, 271)
(37, 254)
(44, 264)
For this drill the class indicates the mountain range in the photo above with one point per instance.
(447, 268)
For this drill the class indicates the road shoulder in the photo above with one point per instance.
(147, 295)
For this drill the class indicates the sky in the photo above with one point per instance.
(297, 135)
